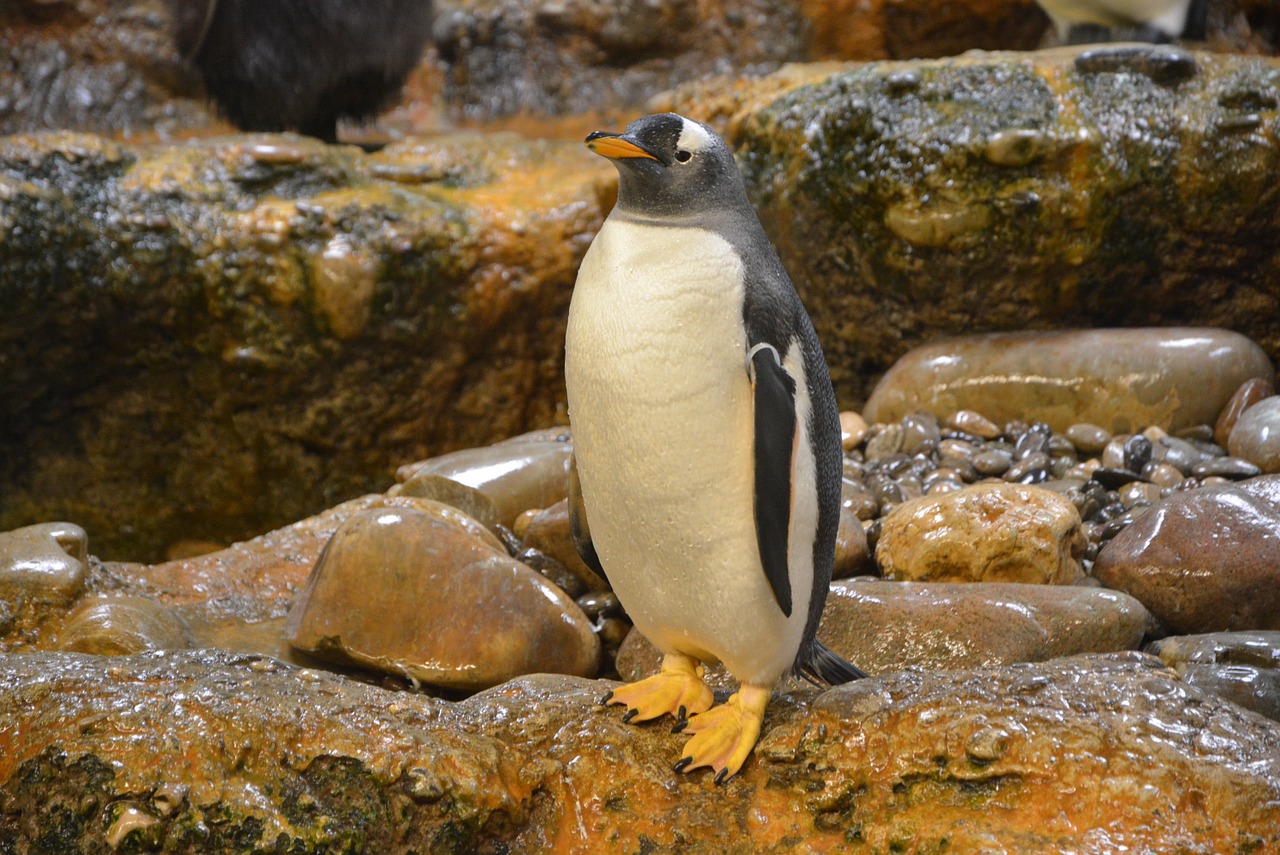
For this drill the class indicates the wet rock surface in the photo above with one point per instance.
(215, 752)
(43, 570)
(289, 321)
(881, 182)
(987, 532)
(1242, 667)
(885, 627)
(404, 592)
(1204, 560)
(1121, 380)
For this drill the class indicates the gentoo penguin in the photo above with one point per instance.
(1084, 21)
(706, 438)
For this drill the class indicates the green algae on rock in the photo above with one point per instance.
(212, 339)
(1001, 191)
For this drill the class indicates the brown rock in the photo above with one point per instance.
(888, 626)
(122, 625)
(43, 570)
(1250, 392)
(884, 627)
(1242, 667)
(1120, 379)
(518, 474)
(986, 532)
(1255, 436)
(403, 592)
(1206, 560)
(548, 532)
(853, 557)
(238, 753)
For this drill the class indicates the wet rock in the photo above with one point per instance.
(403, 592)
(1255, 436)
(884, 626)
(516, 475)
(1243, 667)
(1249, 393)
(853, 557)
(209, 276)
(1120, 726)
(237, 598)
(43, 571)
(294, 758)
(888, 626)
(838, 159)
(1122, 380)
(548, 532)
(121, 626)
(438, 488)
(1205, 560)
(988, 532)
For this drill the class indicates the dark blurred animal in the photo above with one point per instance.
(274, 65)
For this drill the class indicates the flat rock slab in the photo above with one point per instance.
(216, 753)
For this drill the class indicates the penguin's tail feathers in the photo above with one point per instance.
(823, 667)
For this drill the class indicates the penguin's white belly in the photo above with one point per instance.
(661, 408)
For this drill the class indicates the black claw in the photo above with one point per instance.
(680, 725)
(682, 764)
(683, 713)
(630, 714)
(608, 696)
(722, 776)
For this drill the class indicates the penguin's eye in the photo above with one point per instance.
(683, 156)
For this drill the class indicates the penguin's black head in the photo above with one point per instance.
(670, 166)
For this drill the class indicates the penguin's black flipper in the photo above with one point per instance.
(774, 394)
(820, 665)
(579, 530)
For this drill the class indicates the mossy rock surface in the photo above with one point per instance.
(1126, 186)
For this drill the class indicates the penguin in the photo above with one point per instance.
(1086, 21)
(707, 460)
(301, 65)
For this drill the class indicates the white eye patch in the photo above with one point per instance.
(693, 138)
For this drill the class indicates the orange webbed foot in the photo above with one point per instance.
(724, 736)
(676, 690)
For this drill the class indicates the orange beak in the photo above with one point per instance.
(613, 146)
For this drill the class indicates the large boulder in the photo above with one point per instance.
(208, 340)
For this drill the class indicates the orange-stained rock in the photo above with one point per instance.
(227, 753)
(987, 532)
(1121, 379)
(401, 591)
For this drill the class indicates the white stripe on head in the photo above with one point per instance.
(694, 137)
